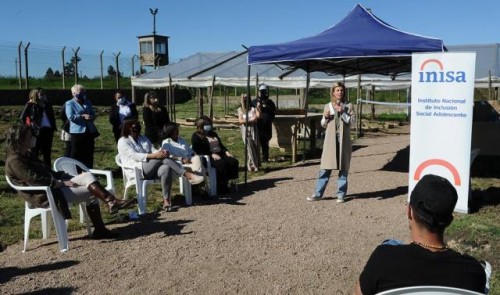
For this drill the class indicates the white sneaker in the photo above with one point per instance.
(340, 199)
(313, 198)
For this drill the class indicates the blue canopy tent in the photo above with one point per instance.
(360, 43)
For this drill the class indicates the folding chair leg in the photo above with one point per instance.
(141, 200)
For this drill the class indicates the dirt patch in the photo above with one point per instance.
(265, 239)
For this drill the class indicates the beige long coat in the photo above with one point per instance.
(329, 156)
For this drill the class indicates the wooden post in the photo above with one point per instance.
(133, 94)
(102, 70)
(490, 88)
(200, 102)
(75, 63)
(211, 102)
(63, 73)
(26, 82)
(117, 70)
(20, 65)
(372, 98)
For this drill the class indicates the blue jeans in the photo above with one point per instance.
(322, 181)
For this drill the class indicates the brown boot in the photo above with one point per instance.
(100, 230)
(113, 203)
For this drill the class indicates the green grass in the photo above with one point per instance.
(477, 234)
(10, 83)
(12, 206)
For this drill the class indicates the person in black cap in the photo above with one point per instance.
(427, 260)
(267, 109)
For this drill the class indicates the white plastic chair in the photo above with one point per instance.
(211, 174)
(428, 290)
(70, 166)
(59, 222)
(132, 175)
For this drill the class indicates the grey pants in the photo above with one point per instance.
(164, 170)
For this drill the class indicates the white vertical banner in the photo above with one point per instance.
(442, 93)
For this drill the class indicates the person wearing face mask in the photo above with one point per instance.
(39, 114)
(135, 149)
(122, 110)
(205, 141)
(26, 170)
(249, 131)
(155, 116)
(267, 110)
(81, 116)
(338, 115)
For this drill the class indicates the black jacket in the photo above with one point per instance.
(34, 111)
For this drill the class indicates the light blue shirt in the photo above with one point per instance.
(177, 149)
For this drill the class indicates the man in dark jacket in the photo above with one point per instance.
(122, 110)
(267, 110)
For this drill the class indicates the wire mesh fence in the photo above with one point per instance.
(23, 59)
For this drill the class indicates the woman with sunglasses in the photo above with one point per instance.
(137, 150)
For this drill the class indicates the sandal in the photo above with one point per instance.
(167, 208)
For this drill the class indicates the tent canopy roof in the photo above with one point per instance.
(360, 43)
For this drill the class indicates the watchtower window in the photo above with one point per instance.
(160, 48)
(146, 47)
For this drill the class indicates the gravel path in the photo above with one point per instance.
(266, 239)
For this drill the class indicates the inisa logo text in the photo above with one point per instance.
(439, 76)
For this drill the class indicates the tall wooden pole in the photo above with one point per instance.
(20, 65)
(63, 72)
(75, 62)
(117, 70)
(26, 82)
(102, 69)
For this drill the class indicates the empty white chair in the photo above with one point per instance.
(428, 290)
(59, 222)
(134, 176)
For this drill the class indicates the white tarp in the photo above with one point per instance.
(202, 69)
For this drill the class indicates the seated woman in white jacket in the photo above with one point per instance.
(135, 149)
(179, 149)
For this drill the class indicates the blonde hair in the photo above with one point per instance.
(33, 96)
(77, 88)
(244, 102)
(335, 85)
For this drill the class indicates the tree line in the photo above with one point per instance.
(69, 71)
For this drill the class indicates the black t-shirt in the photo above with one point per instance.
(390, 267)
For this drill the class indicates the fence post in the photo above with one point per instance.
(26, 83)
(20, 64)
(102, 73)
(117, 70)
(63, 72)
(75, 62)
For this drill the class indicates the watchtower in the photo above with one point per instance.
(153, 49)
